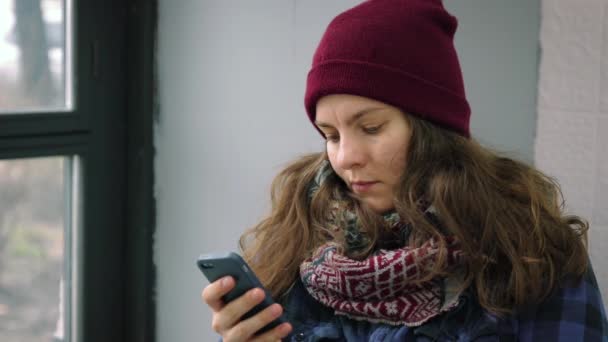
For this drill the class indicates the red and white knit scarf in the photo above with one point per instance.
(382, 287)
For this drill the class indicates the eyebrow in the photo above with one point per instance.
(353, 118)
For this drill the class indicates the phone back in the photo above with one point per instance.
(216, 266)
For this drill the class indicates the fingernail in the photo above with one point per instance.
(285, 328)
(225, 281)
(256, 294)
(275, 310)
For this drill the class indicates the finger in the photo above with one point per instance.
(250, 326)
(212, 293)
(276, 334)
(232, 312)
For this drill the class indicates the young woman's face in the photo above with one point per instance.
(367, 142)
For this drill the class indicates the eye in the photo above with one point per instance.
(372, 129)
(332, 138)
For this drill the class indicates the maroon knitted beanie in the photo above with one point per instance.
(400, 52)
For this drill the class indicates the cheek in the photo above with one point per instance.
(394, 160)
(332, 155)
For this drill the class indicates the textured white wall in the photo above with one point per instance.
(231, 84)
(572, 128)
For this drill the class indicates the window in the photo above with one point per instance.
(35, 240)
(76, 209)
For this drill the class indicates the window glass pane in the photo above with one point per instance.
(34, 211)
(35, 56)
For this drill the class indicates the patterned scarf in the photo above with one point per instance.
(384, 287)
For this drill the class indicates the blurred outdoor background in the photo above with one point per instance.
(32, 45)
(31, 247)
(32, 198)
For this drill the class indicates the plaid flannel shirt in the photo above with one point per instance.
(574, 313)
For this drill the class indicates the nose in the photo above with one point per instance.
(350, 154)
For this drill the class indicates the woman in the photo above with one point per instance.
(405, 228)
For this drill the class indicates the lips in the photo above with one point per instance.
(361, 187)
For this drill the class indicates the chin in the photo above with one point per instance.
(379, 207)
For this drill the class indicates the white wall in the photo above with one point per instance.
(572, 141)
(231, 83)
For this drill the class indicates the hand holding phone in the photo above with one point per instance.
(216, 266)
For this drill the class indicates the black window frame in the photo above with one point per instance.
(111, 130)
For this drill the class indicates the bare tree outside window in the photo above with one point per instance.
(32, 55)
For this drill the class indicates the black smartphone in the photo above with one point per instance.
(215, 266)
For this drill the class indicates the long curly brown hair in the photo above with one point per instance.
(508, 217)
